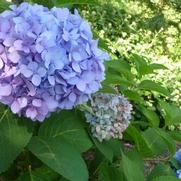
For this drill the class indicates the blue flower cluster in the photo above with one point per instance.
(178, 158)
(48, 60)
(109, 116)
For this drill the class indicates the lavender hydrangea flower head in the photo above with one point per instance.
(109, 116)
(48, 60)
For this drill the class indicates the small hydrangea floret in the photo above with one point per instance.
(48, 60)
(109, 116)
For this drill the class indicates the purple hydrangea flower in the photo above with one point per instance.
(48, 60)
(108, 116)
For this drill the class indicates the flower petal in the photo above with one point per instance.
(15, 107)
(5, 90)
(14, 57)
(36, 80)
(81, 85)
(31, 113)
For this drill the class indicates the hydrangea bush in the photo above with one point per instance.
(48, 60)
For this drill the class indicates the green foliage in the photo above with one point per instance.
(4, 5)
(131, 169)
(160, 170)
(60, 156)
(14, 136)
(73, 132)
(150, 28)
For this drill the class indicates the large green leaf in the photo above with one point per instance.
(15, 134)
(66, 125)
(60, 156)
(131, 169)
(153, 86)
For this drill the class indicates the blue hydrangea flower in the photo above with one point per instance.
(109, 116)
(178, 173)
(178, 156)
(48, 60)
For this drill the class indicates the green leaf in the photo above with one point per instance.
(67, 125)
(138, 138)
(109, 173)
(47, 3)
(175, 135)
(151, 116)
(168, 140)
(60, 156)
(154, 141)
(153, 86)
(4, 5)
(131, 169)
(160, 170)
(108, 89)
(166, 178)
(40, 174)
(143, 67)
(120, 66)
(109, 148)
(172, 114)
(105, 149)
(117, 80)
(65, 2)
(135, 156)
(156, 66)
(102, 42)
(141, 64)
(159, 141)
(134, 96)
(14, 136)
